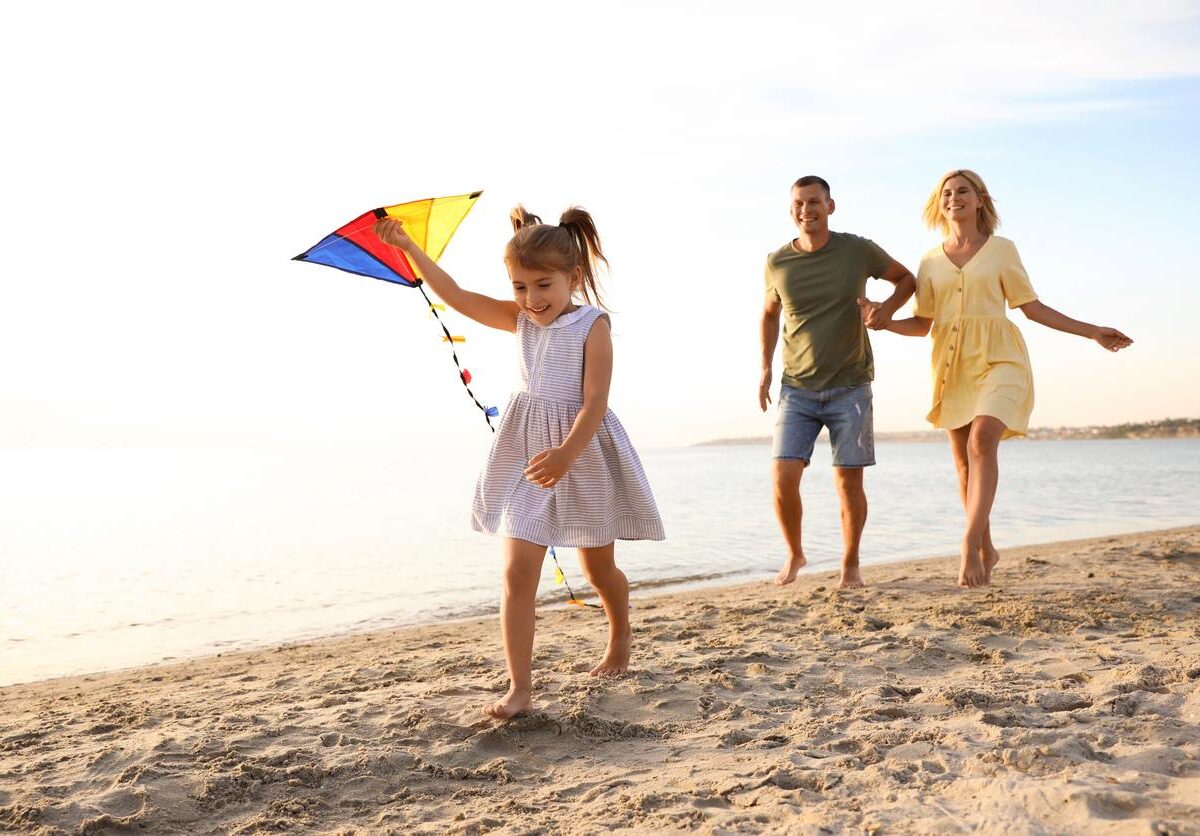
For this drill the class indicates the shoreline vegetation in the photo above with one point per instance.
(1166, 428)
(1064, 698)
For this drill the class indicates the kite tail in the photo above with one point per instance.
(487, 414)
(561, 576)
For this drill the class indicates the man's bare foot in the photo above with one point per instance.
(513, 703)
(616, 657)
(788, 573)
(851, 578)
(972, 572)
(990, 558)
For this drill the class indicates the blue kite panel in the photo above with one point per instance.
(336, 251)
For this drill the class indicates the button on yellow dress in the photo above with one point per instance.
(980, 364)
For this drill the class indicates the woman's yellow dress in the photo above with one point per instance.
(980, 364)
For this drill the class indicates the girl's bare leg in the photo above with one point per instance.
(958, 447)
(610, 583)
(522, 571)
(983, 474)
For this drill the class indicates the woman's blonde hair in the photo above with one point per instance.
(986, 217)
(573, 243)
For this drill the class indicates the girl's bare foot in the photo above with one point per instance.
(788, 573)
(616, 657)
(513, 703)
(990, 558)
(851, 578)
(972, 572)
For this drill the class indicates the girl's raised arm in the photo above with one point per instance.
(494, 313)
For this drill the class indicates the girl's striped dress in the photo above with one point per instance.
(604, 496)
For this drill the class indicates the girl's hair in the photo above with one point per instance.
(986, 217)
(573, 243)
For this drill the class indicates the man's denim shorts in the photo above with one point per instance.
(845, 410)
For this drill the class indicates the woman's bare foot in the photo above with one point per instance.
(788, 573)
(616, 657)
(513, 703)
(851, 578)
(990, 558)
(972, 571)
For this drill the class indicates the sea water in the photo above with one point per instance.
(112, 558)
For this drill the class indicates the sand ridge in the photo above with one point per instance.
(1065, 698)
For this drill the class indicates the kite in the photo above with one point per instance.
(430, 223)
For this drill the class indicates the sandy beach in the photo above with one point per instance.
(1065, 699)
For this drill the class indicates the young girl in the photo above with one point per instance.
(561, 470)
(982, 381)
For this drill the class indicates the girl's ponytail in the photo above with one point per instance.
(522, 218)
(586, 240)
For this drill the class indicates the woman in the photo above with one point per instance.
(982, 382)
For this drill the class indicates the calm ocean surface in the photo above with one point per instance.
(111, 558)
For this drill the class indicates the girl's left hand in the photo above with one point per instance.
(1112, 339)
(548, 467)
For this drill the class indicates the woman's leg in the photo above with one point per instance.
(983, 474)
(958, 447)
(522, 571)
(610, 583)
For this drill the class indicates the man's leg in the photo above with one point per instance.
(790, 510)
(853, 498)
(796, 429)
(851, 421)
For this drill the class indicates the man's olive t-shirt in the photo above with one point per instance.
(824, 340)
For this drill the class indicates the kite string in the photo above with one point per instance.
(450, 340)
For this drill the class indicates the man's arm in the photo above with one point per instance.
(878, 314)
(772, 310)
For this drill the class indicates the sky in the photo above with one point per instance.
(162, 163)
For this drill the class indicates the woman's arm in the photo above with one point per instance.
(1110, 338)
(494, 313)
(917, 326)
(549, 466)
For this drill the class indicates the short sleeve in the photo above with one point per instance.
(770, 290)
(1014, 281)
(878, 260)
(923, 299)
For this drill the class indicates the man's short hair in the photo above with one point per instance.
(813, 180)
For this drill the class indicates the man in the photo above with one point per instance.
(816, 283)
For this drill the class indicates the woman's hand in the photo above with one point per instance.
(873, 314)
(1111, 338)
(548, 467)
(391, 231)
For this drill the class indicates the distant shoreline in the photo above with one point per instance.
(1167, 428)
